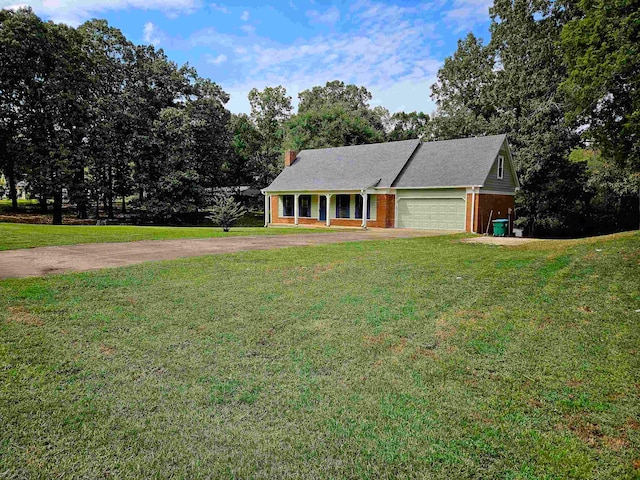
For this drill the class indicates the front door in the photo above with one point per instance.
(323, 207)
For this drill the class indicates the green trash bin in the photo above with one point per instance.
(500, 227)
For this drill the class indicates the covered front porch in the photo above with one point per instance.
(338, 208)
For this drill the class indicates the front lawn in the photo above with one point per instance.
(409, 358)
(17, 235)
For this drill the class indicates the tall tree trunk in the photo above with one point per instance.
(13, 191)
(110, 191)
(82, 210)
(9, 170)
(57, 206)
(124, 204)
(81, 196)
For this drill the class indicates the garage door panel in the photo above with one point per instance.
(432, 213)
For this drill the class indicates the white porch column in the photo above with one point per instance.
(365, 199)
(267, 206)
(296, 208)
(328, 195)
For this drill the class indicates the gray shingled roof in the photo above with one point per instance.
(345, 168)
(448, 163)
(451, 163)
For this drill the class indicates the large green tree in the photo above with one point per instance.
(154, 83)
(531, 109)
(330, 127)
(83, 110)
(192, 145)
(512, 86)
(601, 48)
(465, 92)
(407, 126)
(334, 93)
(245, 164)
(334, 115)
(108, 143)
(22, 46)
(270, 110)
(56, 115)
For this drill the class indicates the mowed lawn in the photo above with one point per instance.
(16, 235)
(410, 358)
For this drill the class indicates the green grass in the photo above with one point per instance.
(412, 358)
(21, 201)
(5, 205)
(16, 235)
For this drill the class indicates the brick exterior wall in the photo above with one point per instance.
(501, 205)
(385, 215)
(386, 211)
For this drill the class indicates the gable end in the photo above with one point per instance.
(508, 182)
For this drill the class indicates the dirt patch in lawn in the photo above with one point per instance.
(22, 315)
(505, 241)
(78, 258)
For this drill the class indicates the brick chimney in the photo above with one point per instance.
(289, 157)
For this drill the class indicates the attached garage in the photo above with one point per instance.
(432, 209)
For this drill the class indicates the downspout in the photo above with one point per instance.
(267, 202)
(363, 192)
(473, 209)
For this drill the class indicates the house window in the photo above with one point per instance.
(342, 206)
(287, 205)
(500, 167)
(304, 206)
(358, 213)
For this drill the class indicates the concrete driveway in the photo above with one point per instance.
(34, 262)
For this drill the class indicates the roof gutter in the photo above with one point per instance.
(363, 190)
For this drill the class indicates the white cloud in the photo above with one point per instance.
(245, 16)
(331, 16)
(210, 36)
(15, 6)
(219, 8)
(150, 34)
(388, 52)
(248, 29)
(74, 12)
(466, 14)
(220, 59)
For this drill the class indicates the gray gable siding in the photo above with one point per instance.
(507, 183)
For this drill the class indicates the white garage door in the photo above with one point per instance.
(431, 213)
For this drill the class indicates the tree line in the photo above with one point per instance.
(561, 79)
(87, 112)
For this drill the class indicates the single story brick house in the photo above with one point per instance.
(445, 185)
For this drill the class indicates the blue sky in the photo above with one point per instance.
(394, 48)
